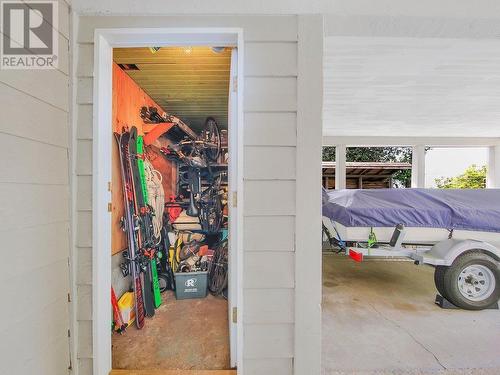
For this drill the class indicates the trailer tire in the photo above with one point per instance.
(472, 282)
(439, 273)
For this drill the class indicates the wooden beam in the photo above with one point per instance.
(156, 132)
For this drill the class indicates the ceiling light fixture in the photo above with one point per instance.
(218, 49)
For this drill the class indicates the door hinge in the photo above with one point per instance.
(235, 199)
(69, 297)
(110, 207)
(235, 315)
(109, 185)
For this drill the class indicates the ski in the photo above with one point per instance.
(129, 225)
(144, 185)
(146, 238)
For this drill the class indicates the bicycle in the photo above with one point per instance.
(199, 155)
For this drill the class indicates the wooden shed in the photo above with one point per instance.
(364, 175)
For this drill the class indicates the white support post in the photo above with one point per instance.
(418, 167)
(307, 329)
(493, 177)
(340, 167)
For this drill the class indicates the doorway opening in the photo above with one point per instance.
(174, 154)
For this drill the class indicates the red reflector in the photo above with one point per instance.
(358, 257)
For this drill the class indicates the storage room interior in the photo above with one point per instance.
(169, 208)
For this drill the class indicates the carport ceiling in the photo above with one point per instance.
(191, 83)
(407, 86)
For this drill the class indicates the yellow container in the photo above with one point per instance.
(126, 305)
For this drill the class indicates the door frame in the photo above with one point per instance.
(104, 42)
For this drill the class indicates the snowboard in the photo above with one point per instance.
(146, 238)
(142, 175)
(129, 222)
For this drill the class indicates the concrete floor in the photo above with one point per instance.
(190, 334)
(379, 317)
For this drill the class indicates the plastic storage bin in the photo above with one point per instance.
(191, 284)
(126, 305)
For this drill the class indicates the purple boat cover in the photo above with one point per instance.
(432, 208)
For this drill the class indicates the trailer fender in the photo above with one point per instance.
(445, 252)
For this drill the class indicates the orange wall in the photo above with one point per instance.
(128, 98)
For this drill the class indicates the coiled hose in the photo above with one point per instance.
(156, 196)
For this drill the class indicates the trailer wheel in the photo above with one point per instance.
(472, 281)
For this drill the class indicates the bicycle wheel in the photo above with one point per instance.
(217, 273)
(211, 137)
(211, 214)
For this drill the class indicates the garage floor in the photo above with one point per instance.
(379, 317)
(188, 334)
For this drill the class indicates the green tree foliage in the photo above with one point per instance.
(377, 154)
(474, 177)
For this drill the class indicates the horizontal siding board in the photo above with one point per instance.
(256, 29)
(36, 342)
(84, 228)
(34, 215)
(259, 63)
(268, 270)
(274, 366)
(264, 197)
(84, 193)
(35, 247)
(85, 66)
(27, 161)
(84, 91)
(35, 297)
(53, 360)
(84, 157)
(84, 303)
(41, 122)
(62, 26)
(269, 233)
(61, 54)
(84, 339)
(270, 94)
(267, 306)
(32, 205)
(84, 271)
(85, 366)
(269, 163)
(268, 341)
(51, 86)
(84, 121)
(270, 129)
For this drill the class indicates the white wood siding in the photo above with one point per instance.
(269, 179)
(34, 216)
